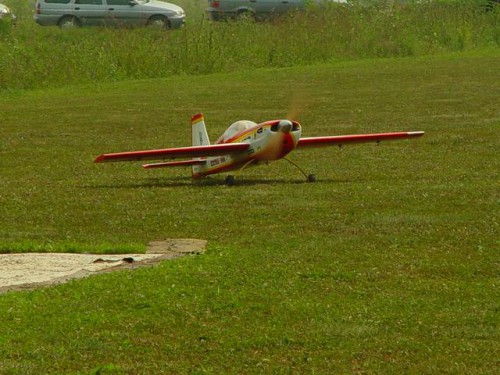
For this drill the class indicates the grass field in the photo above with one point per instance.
(388, 264)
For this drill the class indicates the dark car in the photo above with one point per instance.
(255, 9)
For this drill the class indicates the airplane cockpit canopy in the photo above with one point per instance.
(235, 128)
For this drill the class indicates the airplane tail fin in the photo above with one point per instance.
(199, 131)
(199, 138)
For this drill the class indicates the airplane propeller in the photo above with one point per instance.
(297, 106)
(284, 126)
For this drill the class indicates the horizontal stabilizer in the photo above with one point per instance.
(174, 153)
(340, 140)
(182, 163)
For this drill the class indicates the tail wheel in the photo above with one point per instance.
(159, 22)
(69, 22)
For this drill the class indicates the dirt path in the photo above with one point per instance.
(31, 270)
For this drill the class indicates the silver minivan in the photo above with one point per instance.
(75, 13)
(257, 9)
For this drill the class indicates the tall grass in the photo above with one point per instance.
(36, 57)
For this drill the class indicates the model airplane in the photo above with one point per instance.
(244, 144)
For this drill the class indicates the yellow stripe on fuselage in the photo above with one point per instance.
(246, 133)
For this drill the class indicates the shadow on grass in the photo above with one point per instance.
(210, 182)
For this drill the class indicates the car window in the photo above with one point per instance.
(118, 2)
(57, 1)
(91, 2)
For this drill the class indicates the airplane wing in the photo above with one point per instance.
(340, 140)
(174, 153)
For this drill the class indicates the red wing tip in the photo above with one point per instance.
(99, 159)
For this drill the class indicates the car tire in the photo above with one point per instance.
(159, 22)
(69, 22)
(245, 15)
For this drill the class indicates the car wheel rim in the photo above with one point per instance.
(68, 24)
(158, 23)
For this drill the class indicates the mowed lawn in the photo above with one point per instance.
(387, 264)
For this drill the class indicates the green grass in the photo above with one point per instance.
(388, 264)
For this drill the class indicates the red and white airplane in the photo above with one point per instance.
(244, 144)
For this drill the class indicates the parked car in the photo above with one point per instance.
(75, 13)
(6, 14)
(255, 9)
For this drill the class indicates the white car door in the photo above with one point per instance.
(122, 13)
(90, 12)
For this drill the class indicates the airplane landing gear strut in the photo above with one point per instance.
(309, 177)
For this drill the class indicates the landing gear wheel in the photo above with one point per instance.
(311, 178)
(229, 180)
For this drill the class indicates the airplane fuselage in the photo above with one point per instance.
(270, 140)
